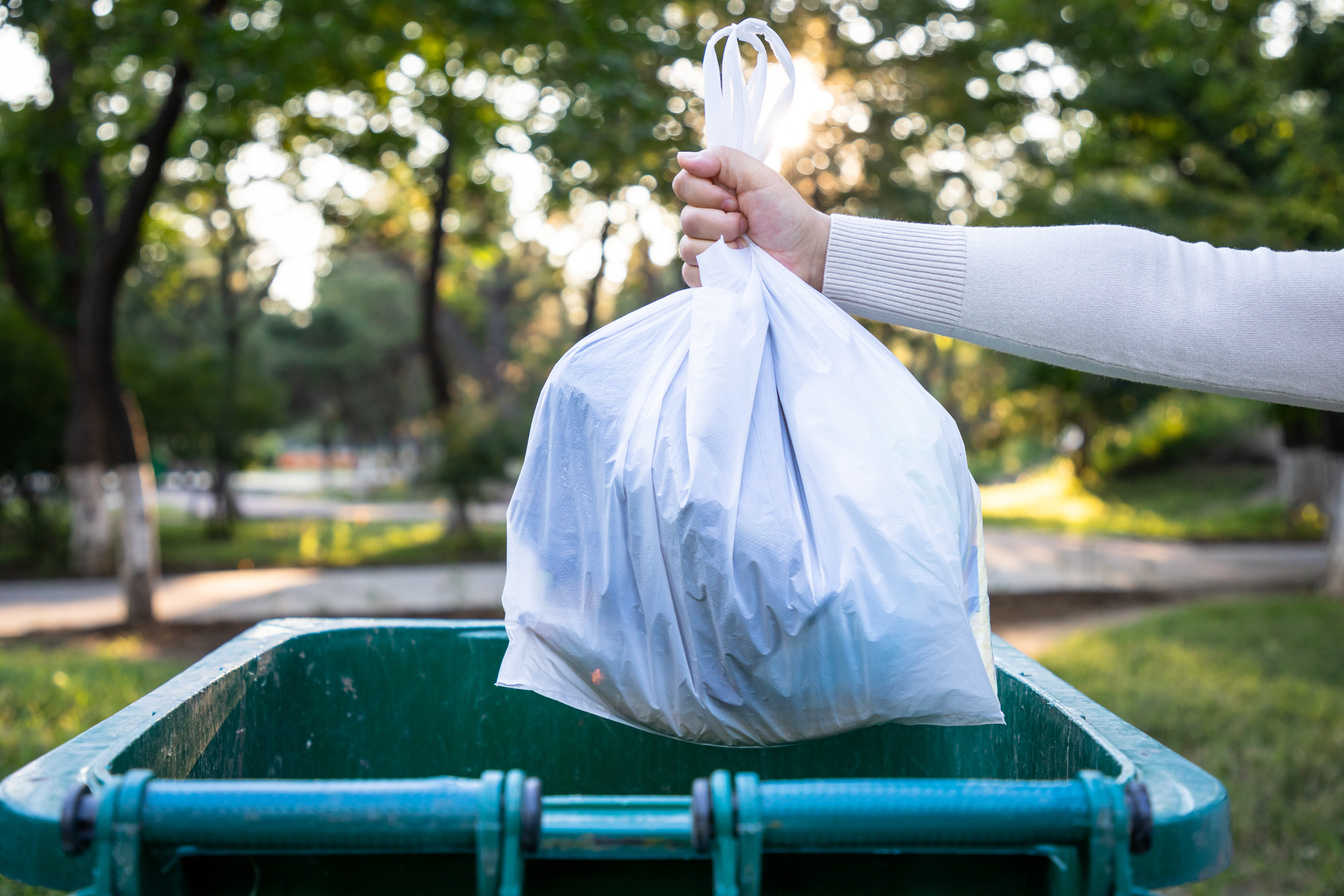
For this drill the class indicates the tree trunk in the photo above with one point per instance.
(86, 456)
(458, 521)
(139, 541)
(139, 521)
(90, 524)
(435, 364)
(1304, 477)
(225, 511)
(1334, 577)
(590, 319)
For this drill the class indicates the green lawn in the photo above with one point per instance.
(1254, 693)
(49, 696)
(187, 547)
(1201, 502)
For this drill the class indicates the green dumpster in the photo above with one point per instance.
(374, 756)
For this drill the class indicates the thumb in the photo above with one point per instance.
(730, 168)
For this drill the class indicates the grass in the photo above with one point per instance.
(1199, 503)
(49, 696)
(1254, 693)
(186, 546)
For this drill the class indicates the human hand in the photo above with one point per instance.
(729, 195)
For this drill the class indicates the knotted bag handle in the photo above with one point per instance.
(733, 104)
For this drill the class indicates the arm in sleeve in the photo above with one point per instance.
(1112, 300)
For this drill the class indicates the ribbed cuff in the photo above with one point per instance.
(909, 274)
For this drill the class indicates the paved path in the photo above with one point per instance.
(1019, 563)
(258, 594)
(1036, 563)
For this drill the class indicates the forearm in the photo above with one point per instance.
(1111, 300)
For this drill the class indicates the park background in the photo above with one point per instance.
(280, 283)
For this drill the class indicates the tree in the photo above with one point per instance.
(80, 165)
(188, 348)
(351, 366)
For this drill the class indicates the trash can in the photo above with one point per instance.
(376, 756)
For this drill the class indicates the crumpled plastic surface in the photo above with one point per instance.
(740, 520)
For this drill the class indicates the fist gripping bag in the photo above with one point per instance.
(740, 520)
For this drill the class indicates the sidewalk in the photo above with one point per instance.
(1019, 563)
(258, 594)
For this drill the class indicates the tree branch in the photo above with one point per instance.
(440, 378)
(93, 188)
(63, 226)
(122, 244)
(18, 283)
(590, 306)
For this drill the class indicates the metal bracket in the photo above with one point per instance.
(117, 869)
(723, 846)
(726, 822)
(750, 833)
(508, 826)
(1108, 870)
(511, 853)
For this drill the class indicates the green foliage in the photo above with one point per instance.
(1176, 426)
(33, 379)
(478, 442)
(110, 76)
(1182, 118)
(181, 393)
(1253, 692)
(32, 394)
(34, 536)
(352, 366)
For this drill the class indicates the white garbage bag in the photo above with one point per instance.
(740, 520)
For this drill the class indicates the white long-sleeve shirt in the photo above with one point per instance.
(1112, 300)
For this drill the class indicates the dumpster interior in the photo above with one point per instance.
(394, 702)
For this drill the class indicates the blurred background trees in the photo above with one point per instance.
(374, 226)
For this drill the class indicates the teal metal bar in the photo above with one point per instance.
(447, 815)
(747, 819)
(826, 816)
(417, 815)
(621, 827)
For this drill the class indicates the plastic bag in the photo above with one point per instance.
(740, 520)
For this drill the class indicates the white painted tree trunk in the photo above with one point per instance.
(90, 523)
(139, 540)
(1304, 477)
(1334, 578)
